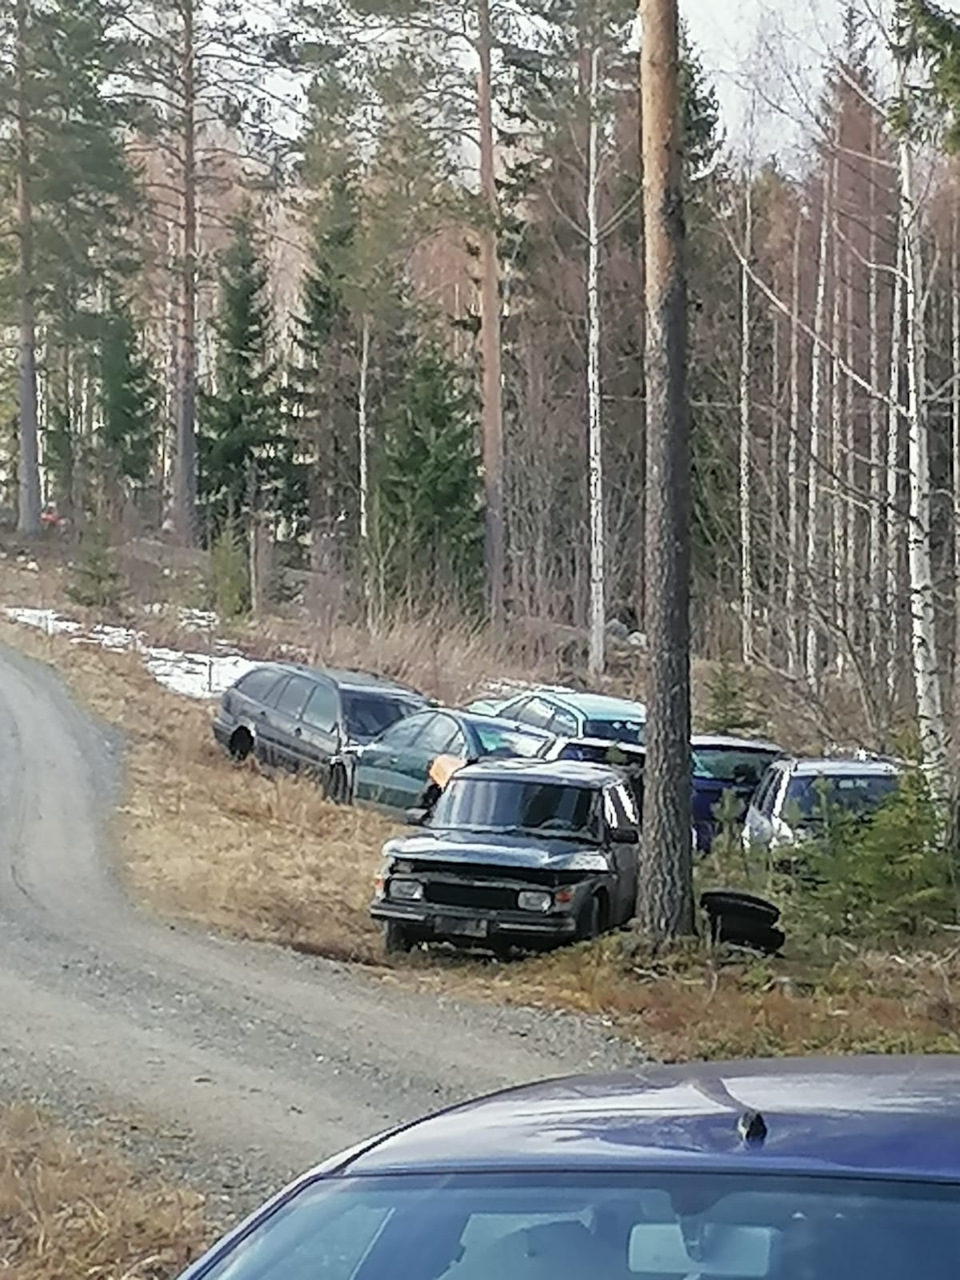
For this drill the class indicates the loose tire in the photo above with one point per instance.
(396, 939)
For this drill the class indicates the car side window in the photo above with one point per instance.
(760, 795)
(276, 693)
(537, 712)
(404, 731)
(563, 723)
(515, 710)
(258, 683)
(767, 796)
(322, 707)
(294, 696)
(438, 735)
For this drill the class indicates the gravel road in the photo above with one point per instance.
(230, 1065)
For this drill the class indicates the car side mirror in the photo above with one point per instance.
(624, 835)
(415, 817)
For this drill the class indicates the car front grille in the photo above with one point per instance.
(485, 897)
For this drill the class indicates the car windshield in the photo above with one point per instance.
(617, 730)
(599, 1226)
(368, 714)
(502, 804)
(500, 740)
(856, 793)
(737, 765)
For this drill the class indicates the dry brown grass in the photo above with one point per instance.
(270, 860)
(74, 1211)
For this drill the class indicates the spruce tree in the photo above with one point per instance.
(129, 408)
(428, 512)
(246, 463)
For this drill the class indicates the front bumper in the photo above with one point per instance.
(426, 921)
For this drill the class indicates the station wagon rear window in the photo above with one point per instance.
(616, 730)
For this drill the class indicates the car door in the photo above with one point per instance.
(758, 827)
(620, 814)
(379, 760)
(439, 736)
(285, 727)
(320, 729)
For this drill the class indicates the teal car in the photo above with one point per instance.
(391, 774)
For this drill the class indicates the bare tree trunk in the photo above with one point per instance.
(851, 570)
(665, 896)
(596, 656)
(28, 515)
(836, 548)
(955, 440)
(926, 669)
(746, 539)
(362, 428)
(793, 442)
(813, 474)
(776, 523)
(185, 472)
(876, 622)
(892, 522)
(490, 329)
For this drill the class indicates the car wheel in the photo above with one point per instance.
(337, 785)
(396, 939)
(241, 744)
(588, 920)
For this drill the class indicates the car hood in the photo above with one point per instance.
(498, 851)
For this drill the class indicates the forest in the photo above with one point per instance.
(368, 275)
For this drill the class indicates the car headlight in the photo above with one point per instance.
(534, 900)
(405, 890)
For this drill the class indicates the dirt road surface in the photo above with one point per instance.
(233, 1065)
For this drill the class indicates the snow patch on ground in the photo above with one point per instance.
(193, 675)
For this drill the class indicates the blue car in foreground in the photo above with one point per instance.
(842, 1169)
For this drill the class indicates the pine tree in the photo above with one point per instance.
(246, 462)
(428, 511)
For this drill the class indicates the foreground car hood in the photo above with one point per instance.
(498, 851)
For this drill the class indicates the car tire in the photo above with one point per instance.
(241, 745)
(337, 785)
(588, 920)
(396, 939)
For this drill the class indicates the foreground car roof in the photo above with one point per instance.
(897, 1116)
(721, 740)
(572, 773)
(835, 766)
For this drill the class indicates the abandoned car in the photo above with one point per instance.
(516, 853)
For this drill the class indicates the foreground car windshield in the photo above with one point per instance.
(856, 794)
(368, 715)
(489, 804)
(646, 1226)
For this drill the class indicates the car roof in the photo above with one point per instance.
(597, 706)
(883, 1115)
(344, 678)
(573, 773)
(837, 766)
(720, 740)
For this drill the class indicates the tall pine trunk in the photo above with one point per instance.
(665, 889)
(955, 442)
(596, 655)
(28, 516)
(490, 328)
(893, 523)
(876, 622)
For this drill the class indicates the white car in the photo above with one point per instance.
(792, 792)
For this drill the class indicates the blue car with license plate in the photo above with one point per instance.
(830, 1169)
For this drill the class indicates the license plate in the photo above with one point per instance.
(454, 926)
